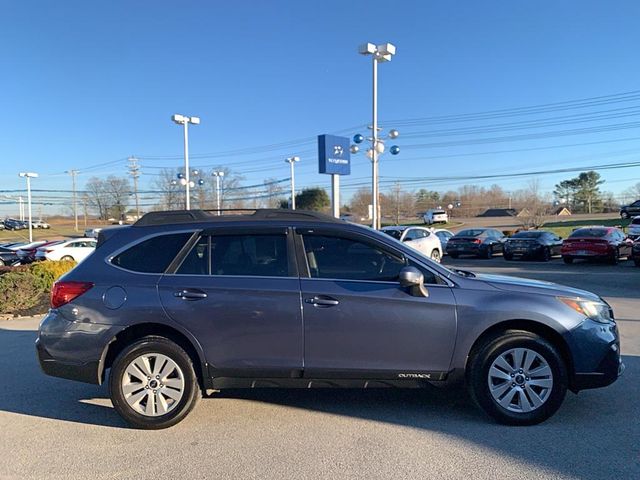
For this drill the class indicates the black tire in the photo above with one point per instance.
(546, 254)
(508, 256)
(567, 259)
(478, 378)
(151, 345)
(435, 255)
(489, 253)
(67, 258)
(615, 257)
(624, 215)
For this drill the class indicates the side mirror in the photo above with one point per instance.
(413, 279)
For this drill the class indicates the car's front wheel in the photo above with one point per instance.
(518, 378)
(153, 384)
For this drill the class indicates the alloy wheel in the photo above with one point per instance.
(520, 380)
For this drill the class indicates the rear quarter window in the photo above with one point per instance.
(152, 255)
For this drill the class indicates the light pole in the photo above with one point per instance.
(185, 121)
(291, 161)
(29, 176)
(379, 54)
(219, 174)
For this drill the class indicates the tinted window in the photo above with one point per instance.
(197, 260)
(397, 234)
(590, 232)
(254, 255)
(416, 233)
(635, 221)
(153, 255)
(470, 233)
(444, 235)
(529, 234)
(343, 258)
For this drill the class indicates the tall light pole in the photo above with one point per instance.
(379, 54)
(185, 121)
(73, 174)
(29, 176)
(219, 174)
(291, 161)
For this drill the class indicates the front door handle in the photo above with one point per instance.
(322, 301)
(190, 294)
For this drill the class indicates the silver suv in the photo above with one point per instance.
(186, 301)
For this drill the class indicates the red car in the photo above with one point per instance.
(596, 243)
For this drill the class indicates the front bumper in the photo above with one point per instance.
(595, 349)
(73, 349)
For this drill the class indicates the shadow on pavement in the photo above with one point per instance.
(596, 434)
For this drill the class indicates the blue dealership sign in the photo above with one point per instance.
(334, 156)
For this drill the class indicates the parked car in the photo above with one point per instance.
(596, 243)
(13, 224)
(186, 301)
(481, 242)
(419, 238)
(631, 210)
(444, 236)
(635, 253)
(435, 215)
(92, 232)
(40, 224)
(8, 257)
(633, 231)
(2, 227)
(27, 253)
(539, 244)
(74, 249)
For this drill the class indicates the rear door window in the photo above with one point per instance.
(250, 255)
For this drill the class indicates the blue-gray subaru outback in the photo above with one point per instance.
(187, 301)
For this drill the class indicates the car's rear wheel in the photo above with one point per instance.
(488, 252)
(518, 378)
(567, 259)
(153, 384)
(435, 255)
(546, 254)
(67, 258)
(615, 257)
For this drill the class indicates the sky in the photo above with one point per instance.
(87, 84)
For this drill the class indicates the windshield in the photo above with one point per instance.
(590, 232)
(528, 235)
(397, 234)
(471, 232)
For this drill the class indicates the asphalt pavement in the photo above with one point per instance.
(56, 429)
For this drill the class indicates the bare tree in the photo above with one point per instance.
(536, 208)
(398, 203)
(98, 197)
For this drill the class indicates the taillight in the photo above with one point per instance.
(477, 240)
(64, 292)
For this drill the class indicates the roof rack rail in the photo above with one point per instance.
(230, 214)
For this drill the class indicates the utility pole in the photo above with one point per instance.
(85, 209)
(134, 171)
(73, 174)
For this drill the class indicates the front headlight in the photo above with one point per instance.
(598, 311)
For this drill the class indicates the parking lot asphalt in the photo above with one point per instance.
(53, 428)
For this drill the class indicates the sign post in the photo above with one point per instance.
(334, 158)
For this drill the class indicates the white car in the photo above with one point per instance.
(40, 224)
(444, 236)
(76, 249)
(633, 230)
(435, 215)
(418, 238)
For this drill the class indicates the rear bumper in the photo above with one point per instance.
(82, 372)
(73, 349)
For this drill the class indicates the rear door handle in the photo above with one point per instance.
(190, 294)
(319, 301)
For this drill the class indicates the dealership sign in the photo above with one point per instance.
(334, 156)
